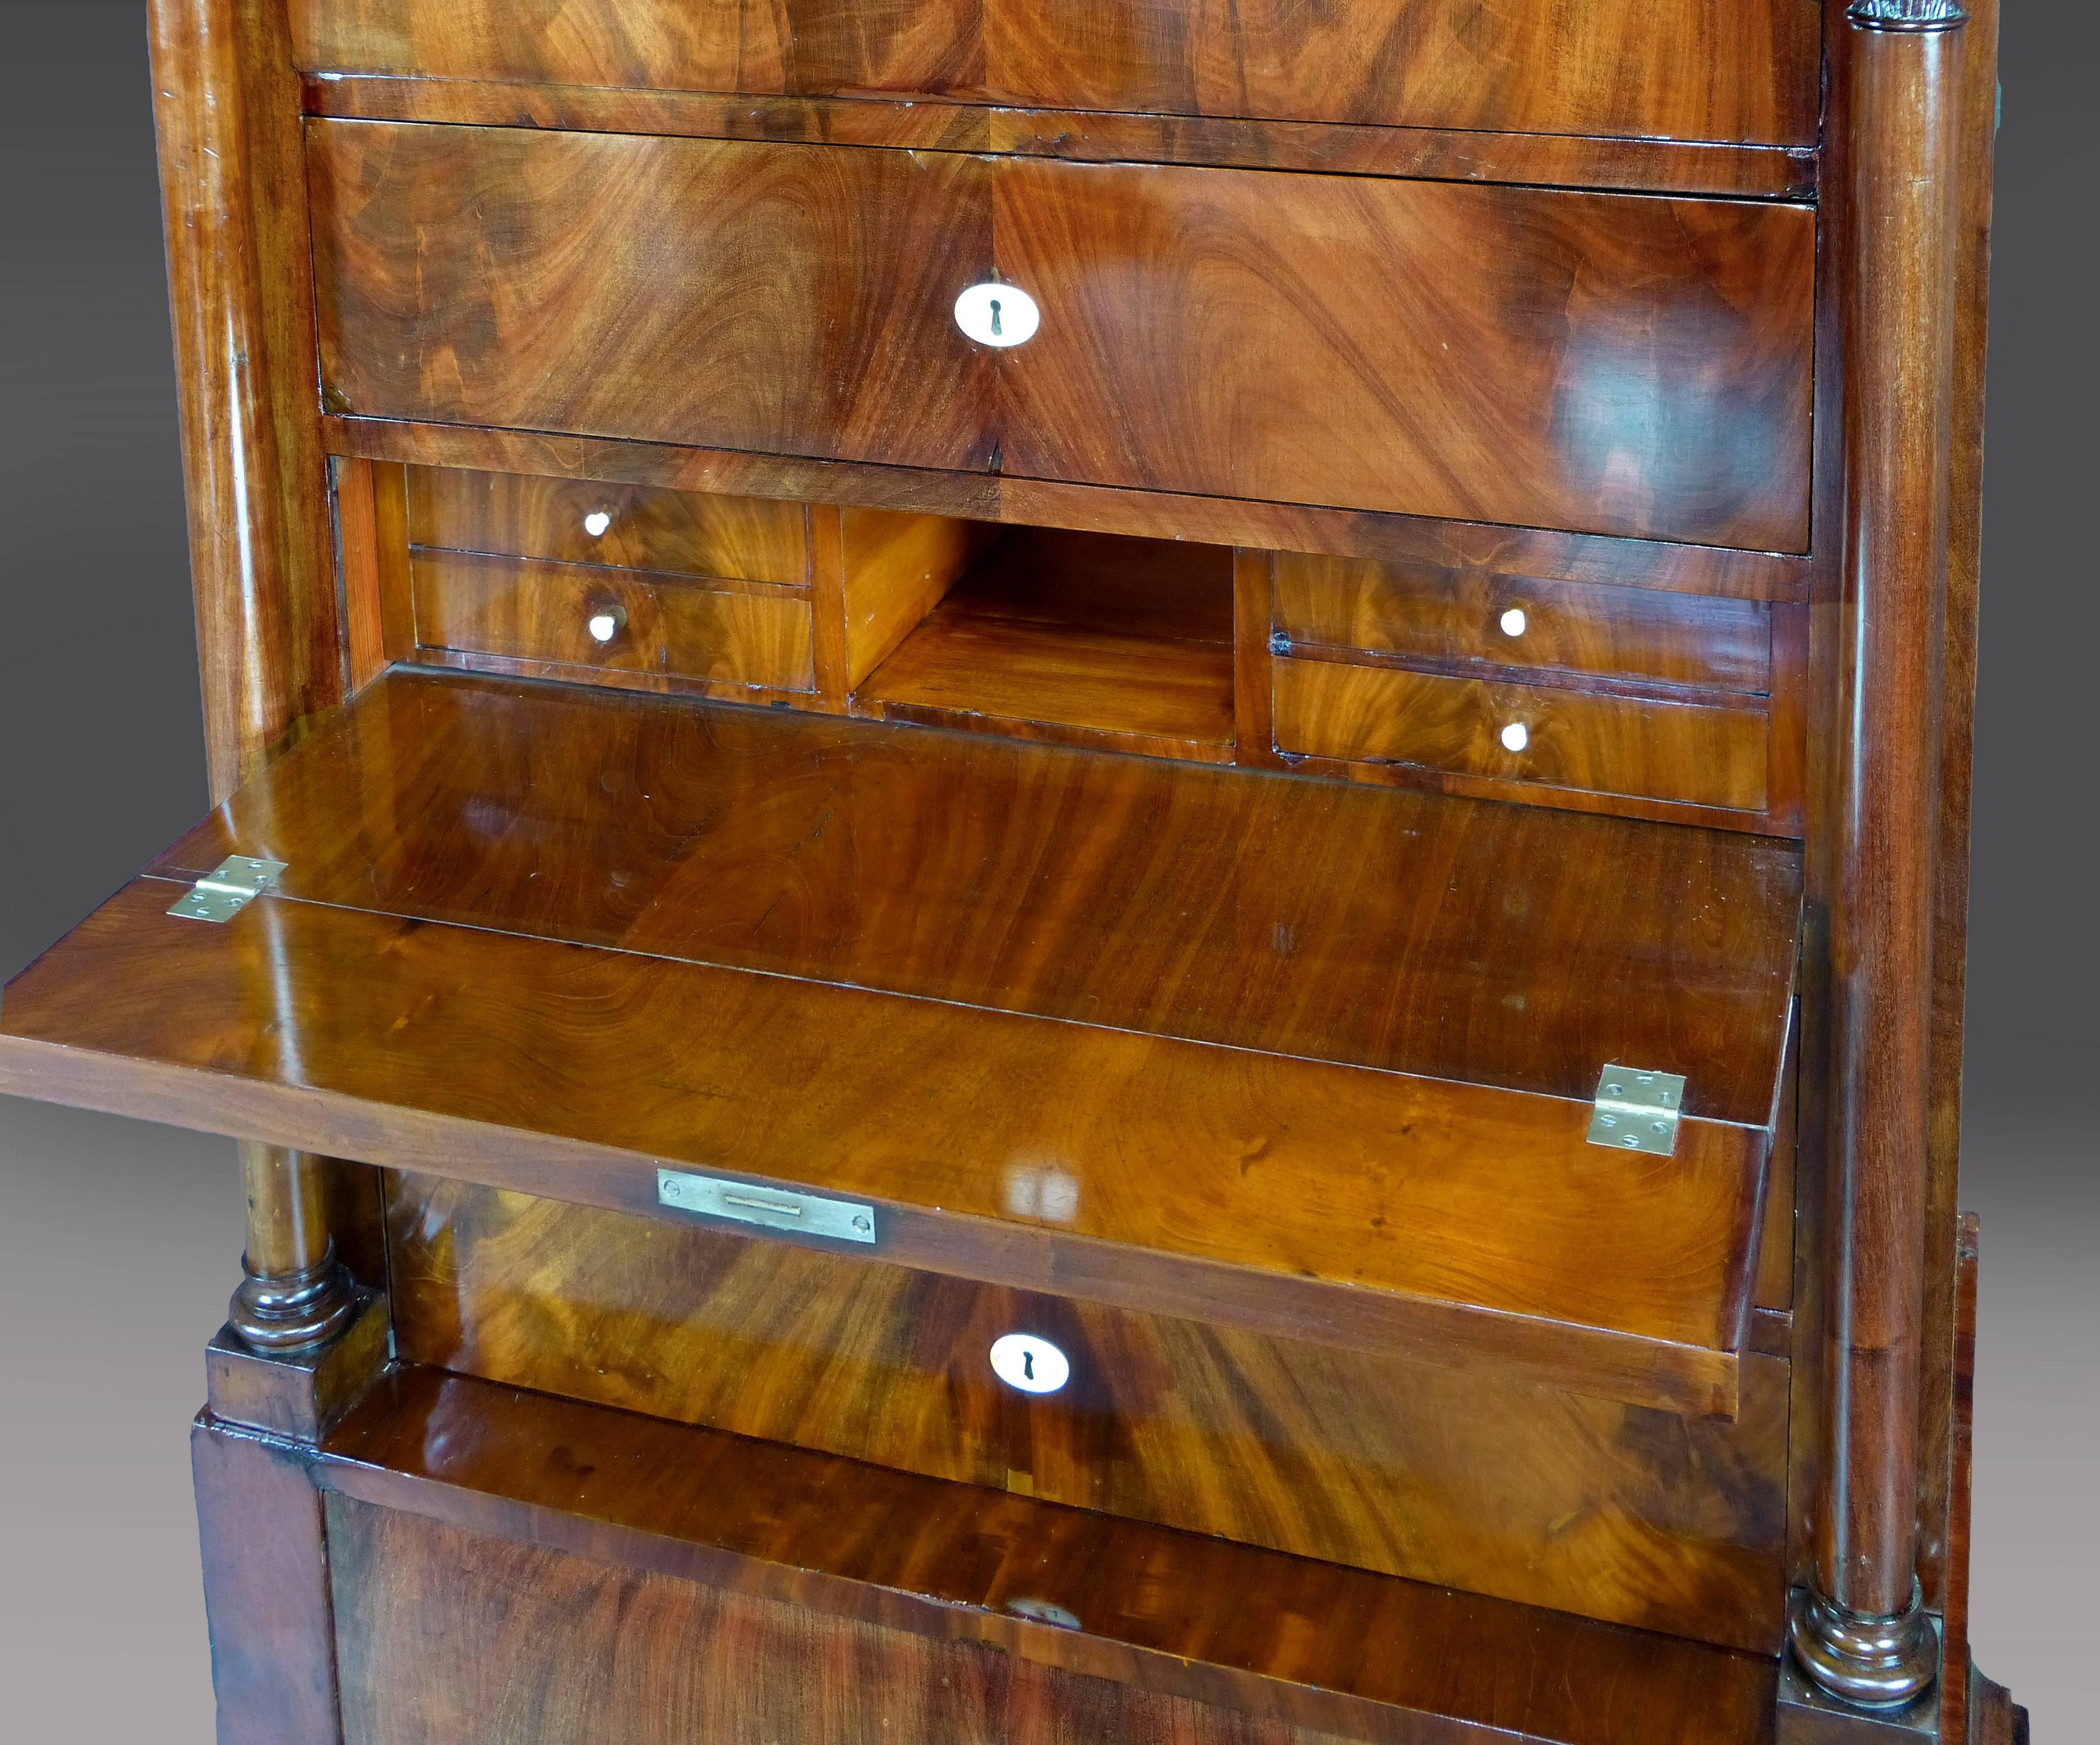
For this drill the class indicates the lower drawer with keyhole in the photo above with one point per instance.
(612, 623)
(1705, 753)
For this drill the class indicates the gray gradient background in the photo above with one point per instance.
(119, 1241)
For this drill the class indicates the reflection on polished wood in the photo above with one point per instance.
(1451, 1221)
(1368, 1657)
(1597, 363)
(1527, 67)
(1408, 1468)
(1459, 939)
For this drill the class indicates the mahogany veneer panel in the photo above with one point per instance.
(1427, 612)
(1417, 1470)
(791, 299)
(680, 532)
(663, 624)
(1595, 362)
(1309, 1644)
(1701, 753)
(1612, 67)
(1410, 932)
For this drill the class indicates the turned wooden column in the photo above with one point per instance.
(295, 1293)
(1862, 1634)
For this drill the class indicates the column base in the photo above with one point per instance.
(293, 1310)
(1871, 1663)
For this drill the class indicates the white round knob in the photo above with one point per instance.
(998, 314)
(1514, 622)
(603, 627)
(1033, 1365)
(596, 523)
(1517, 736)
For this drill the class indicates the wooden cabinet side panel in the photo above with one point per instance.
(449, 1637)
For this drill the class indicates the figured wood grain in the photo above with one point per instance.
(1455, 1223)
(1584, 1505)
(786, 299)
(1591, 362)
(1531, 68)
(1585, 361)
(682, 533)
(1439, 154)
(1528, 551)
(1456, 615)
(1380, 929)
(433, 1624)
(1698, 753)
(735, 635)
(1365, 1656)
(358, 564)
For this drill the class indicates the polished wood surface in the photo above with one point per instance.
(1658, 388)
(672, 626)
(1432, 613)
(675, 532)
(1444, 154)
(1146, 514)
(297, 1396)
(1370, 1209)
(1897, 275)
(1532, 68)
(1582, 1504)
(800, 303)
(434, 1623)
(1375, 928)
(1661, 392)
(1365, 1656)
(232, 192)
(266, 1589)
(1084, 639)
(1704, 753)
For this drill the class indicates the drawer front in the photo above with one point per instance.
(1530, 66)
(1433, 614)
(1601, 363)
(1699, 754)
(789, 299)
(1614, 1511)
(673, 532)
(1598, 363)
(666, 625)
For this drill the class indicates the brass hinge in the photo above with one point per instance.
(220, 896)
(1637, 1110)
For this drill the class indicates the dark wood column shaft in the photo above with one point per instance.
(294, 1292)
(1863, 1635)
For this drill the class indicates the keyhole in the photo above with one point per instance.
(1028, 1358)
(995, 327)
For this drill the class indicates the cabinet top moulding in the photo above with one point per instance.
(1440, 154)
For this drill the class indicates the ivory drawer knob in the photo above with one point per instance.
(998, 314)
(1514, 622)
(1033, 1365)
(604, 624)
(596, 523)
(1517, 736)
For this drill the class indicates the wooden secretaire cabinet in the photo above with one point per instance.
(1087, 870)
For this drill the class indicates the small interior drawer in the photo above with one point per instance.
(612, 621)
(1431, 613)
(1698, 753)
(630, 526)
